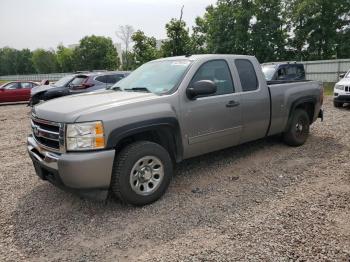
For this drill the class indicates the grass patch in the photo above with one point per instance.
(328, 88)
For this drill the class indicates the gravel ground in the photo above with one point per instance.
(259, 201)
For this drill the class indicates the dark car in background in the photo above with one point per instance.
(289, 71)
(16, 91)
(75, 84)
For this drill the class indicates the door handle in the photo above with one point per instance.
(232, 103)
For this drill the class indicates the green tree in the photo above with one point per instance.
(44, 61)
(25, 63)
(343, 46)
(144, 47)
(129, 61)
(65, 58)
(96, 52)
(269, 32)
(317, 26)
(9, 61)
(198, 44)
(226, 27)
(178, 42)
(14, 61)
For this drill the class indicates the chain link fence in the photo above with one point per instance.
(35, 77)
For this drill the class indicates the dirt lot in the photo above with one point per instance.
(259, 201)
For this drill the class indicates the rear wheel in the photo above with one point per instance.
(141, 173)
(337, 104)
(298, 130)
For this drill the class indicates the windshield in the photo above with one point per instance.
(63, 81)
(268, 71)
(158, 77)
(347, 75)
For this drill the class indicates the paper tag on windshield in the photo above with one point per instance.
(181, 63)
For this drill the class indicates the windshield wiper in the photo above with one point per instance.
(116, 88)
(138, 89)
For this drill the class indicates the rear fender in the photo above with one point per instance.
(299, 102)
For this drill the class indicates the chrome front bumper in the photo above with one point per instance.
(85, 170)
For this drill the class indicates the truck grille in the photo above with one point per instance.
(47, 133)
(347, 88)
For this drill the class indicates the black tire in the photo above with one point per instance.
(298, 130)
(337, 104)
(124, 164)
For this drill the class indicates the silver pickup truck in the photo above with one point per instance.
(126, 140)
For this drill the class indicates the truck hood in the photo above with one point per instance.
(39, 89)
(344, 81)
(70, 108)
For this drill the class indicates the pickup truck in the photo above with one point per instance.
(126, 140)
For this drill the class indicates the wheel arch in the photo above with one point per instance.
(306, 103)
(164, 131)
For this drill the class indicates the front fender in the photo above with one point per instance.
(171, 124)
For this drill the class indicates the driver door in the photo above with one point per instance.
(212, 122)
(9, 92)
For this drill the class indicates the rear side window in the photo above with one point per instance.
(247, 75)
(300, 71)
(292, 70)
(26, 85)
(218, 72)
(102, 79)
(112, 79)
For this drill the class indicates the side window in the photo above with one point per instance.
(292, 70)
(300, 71)
(12, 86)
(26, 85)
(112, 79)
(218, 72)
(281, 74)
(247, 75)
(77, 81)
(102, 79)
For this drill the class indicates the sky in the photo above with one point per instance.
(46, 23)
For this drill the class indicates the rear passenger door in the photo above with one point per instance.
(255, 101)
(25, 90)
(212, 122)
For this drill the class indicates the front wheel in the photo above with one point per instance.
(142, 172)
(298, 130)
(337, 104)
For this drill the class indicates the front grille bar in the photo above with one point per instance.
(49, 135)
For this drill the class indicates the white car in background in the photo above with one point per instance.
(342, 90)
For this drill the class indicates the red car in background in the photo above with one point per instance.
(16, 91)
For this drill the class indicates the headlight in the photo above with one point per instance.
(339, 87)
(85, 136)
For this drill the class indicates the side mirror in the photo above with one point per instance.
(201, 88)
(342, 75)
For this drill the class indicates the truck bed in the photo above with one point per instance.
(283, 95)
